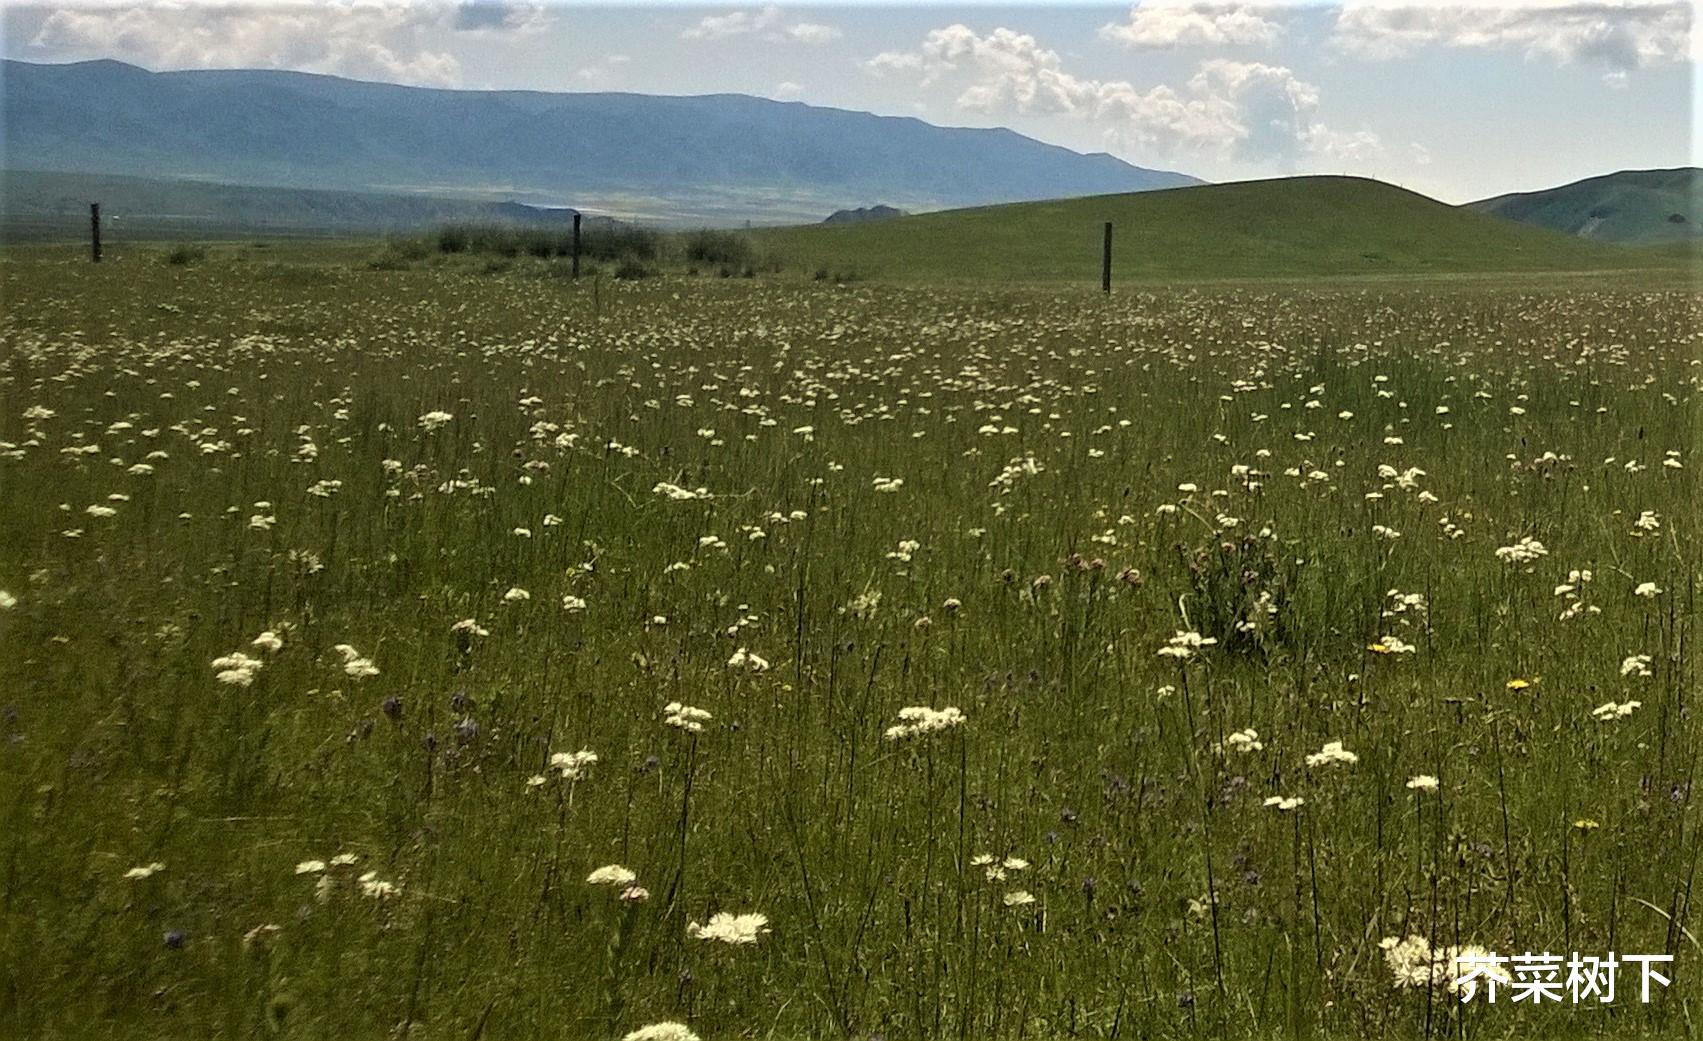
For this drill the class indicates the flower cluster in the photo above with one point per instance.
(919, 720)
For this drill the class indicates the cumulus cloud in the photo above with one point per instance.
(733, 23)
(1622, 35)
(366, 39)
(487, 16)
(601, 73)
(1228, 109)
(812, 32)
(1172, 24)
(769, 22)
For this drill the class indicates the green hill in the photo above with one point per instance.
(1288, 227)
(1633, 206)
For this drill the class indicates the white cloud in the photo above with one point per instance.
(499, 16)
(367, 39)
(602, 73)
(733, 23)
(1170, 24)
(787, 89)
(1622, 35)
(1343, 148)
(812, 32)
(768, 22)
(1230, 110)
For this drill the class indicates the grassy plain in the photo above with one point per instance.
(489, 518)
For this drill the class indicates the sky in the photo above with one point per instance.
(1458, 101)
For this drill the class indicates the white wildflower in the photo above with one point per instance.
(685, 717)
(1183, 645)
(1522, 552)
(612, 875)
(1333, 752)
(918, 720)
(665, 1031)
(573, 765)
(744, 659)
(730, 928)
(375, 888)
(353, 663)
(237, 669)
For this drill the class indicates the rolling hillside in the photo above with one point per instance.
(1634, 207)
(717, 158)
(1299, 226)
(36, 205)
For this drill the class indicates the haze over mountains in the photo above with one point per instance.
(718, 157)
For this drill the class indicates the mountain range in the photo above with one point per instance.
(720, 158)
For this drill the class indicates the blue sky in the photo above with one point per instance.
(1457, 101)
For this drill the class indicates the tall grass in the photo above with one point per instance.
(1004, 502)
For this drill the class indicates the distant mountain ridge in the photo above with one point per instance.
(1634, 207)
(723, 156)
(35, 204)
(863, 213)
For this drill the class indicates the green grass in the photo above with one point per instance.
(1279, 467)
(1628, 207)
(1287, 228)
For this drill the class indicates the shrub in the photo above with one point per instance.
(400, 254)
(722, 248)
(600, 241)
(187, 253)
(622, 240)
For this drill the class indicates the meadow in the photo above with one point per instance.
(431, 653)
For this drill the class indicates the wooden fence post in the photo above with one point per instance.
(576, 245)
(95, 232)
(1106, 262)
